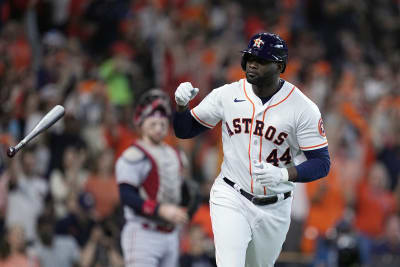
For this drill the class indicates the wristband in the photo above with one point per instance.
(149, 207)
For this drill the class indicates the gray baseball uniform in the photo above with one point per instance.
(155, 170)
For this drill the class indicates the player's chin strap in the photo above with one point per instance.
(258, 200)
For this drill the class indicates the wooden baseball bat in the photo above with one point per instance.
(48, 120)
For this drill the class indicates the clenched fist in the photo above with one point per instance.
(184, 93)
(267, 174)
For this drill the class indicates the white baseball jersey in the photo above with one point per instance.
(275, 132)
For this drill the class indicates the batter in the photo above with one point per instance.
(273, 136)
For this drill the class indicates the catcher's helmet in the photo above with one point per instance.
(150, 102)
(267, 46)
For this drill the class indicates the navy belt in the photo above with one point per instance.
(260, 201)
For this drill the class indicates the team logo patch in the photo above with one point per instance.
(321, 128)
(258, 42)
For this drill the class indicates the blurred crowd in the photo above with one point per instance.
(58, 197)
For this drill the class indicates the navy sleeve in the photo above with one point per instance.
(315, 167)
(185, 126)
(129, 196)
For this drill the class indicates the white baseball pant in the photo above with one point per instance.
(246, 234)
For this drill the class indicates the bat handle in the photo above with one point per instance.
(20, 145)
(11, 151)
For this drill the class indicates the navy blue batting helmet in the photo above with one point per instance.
(268, 46)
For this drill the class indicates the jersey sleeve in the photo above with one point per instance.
(209, 112)
(132, 167)
(310, 129)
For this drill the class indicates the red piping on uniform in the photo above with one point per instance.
(202, 122)
(251, 130)
(259, 159)
(306, 147)
(274, 105)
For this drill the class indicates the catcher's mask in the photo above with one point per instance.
(149, 103)
(268, 46)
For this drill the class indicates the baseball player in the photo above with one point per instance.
(272, 136)
(149, 178)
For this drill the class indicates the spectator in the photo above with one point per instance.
(200, 248)
(55, 250)
(79, 221)
(4, 181)
(101, 250)
(59, 141)
(118, 131)
(89, 103)
(201, 217)
(26, 199)
(102, 184)
(69, 180)
(375, 204)
(13, 249)
(386, 252)
(115, 72)
(327, 203)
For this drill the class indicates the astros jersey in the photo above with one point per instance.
(155, 170)
(276, 132)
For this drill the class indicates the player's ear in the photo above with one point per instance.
(280, 66)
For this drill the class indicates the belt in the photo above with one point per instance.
(261, 201)
(156, 227)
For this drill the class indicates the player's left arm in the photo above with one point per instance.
(315, 167)
(312, 140)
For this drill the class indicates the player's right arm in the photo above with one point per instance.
(185, 126)
(206, 115)
(132, 169)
